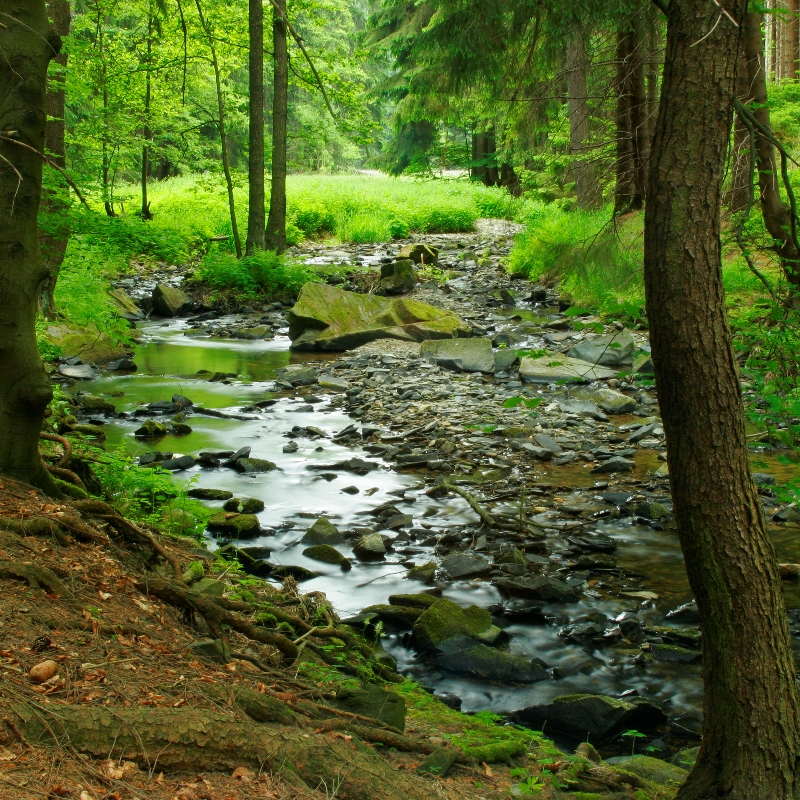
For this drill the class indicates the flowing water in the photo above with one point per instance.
(293, 495)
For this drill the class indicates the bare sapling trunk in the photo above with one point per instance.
(53, 243)
(226, 166)
(751, 739)
(255, 212)
(587, 187)
(148, 134)
(27, 42)
(275, 238)
(623, 188)
(774, 211)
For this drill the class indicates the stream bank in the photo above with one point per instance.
(589, 596)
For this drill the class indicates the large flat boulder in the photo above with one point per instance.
(327, 318)
(553, 367)
(461, 355)
(613, 350)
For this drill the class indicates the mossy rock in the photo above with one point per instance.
(237, 526)
(322, 532)
(89, 431)
(150, 429)
(327, 555)
(419, 600)
(210, 494)
(652, 769)
(97, 405)
(400, 616)
(446, 620)
(244, 505)
(423, 573)
(372, 701)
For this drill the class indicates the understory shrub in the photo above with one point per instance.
(261, 273)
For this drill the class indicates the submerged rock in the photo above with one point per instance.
(591, 716)
(327, 318)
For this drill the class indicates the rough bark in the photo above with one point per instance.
(255, 167)
(188, 739)
(773, 210)
(27, 42)
(739, 193)
(587, 187)
(751, 741)
(640, 138)
(275, 238)
(54, 244)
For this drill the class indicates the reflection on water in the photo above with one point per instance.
(293, 495)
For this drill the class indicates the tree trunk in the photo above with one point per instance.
(255, 167)
(774, 212)
(623, 191)
(276, 223)
(652, 66)
(53, 244)
(739, 194)
(148, 134)
(587, 187)
(751, 742)
(226, 166)
(27, 42)
(640, 139)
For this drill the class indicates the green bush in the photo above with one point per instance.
(262, 273)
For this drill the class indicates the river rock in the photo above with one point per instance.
(244, 505)
(419, 253)
(298, 374)
(461, 355)
(253, 465)
(327, 318)
(294, 571)
(481, 661)
(504, 359)
(322, 532)
(327, 555)
(460, 566)
(235, 526)
(151, 429)
(418, 600)
(556, 367)
(179, 463)
(125, 306)
(589, 716)
(209, 494)
(424, 573)
(169, 301)
(615, 464)
(122, 365)
(370, 547)
(397, 278)
(651, 769)
(333, 384)
(97, 405)
(78, 372)
(609, 400)
(445, 620)
(399, 616)
(539, 587)
(613, 350)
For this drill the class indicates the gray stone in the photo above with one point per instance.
(593, 717)
(213, 649)
(370, 547)
(78, 372)
(505, 358)
(439, 762)
(397, 278)
(419, 254)
(122, 365)
(179, 463)
(332, 383)
(461, 355)
(253, 465)
(169, 301)
(322, 532)
(298, 374)
(372, 701)
(609, 400)
(616, 464)
(327, 555)
(613, 350)
(643, 364)
(481, 661)
(543, 440)
(459, 566)
(210, 494)
(327, 318)
(554, 367)
(537, 588)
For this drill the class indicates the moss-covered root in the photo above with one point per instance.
(36, 576)
(186, 739)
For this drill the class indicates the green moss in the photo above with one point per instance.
(496, 751)
(444, 619)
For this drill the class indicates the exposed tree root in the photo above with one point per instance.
(193, 740)
(36, 576)
(66, 475)
(215, 615)
(64, 442)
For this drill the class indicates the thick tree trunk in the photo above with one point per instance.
(774, 212)
(53, 244)
(751, 740)
(255, 167)
(587, 187)
(226, 166)
(276, 223)
(27, 42)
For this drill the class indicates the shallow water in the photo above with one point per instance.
(168, 363)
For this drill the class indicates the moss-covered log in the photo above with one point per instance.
(191, 740)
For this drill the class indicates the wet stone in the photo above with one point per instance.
(210, 494)
(151, 429)
(244, 505)
(460, 566)
(614, 464)
(300, 574)
(370, 547)
(322, 532)
(327, 554)
(235, 525)
(254, 465)
(481, 661)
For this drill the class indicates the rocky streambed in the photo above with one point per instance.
(495, 507)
